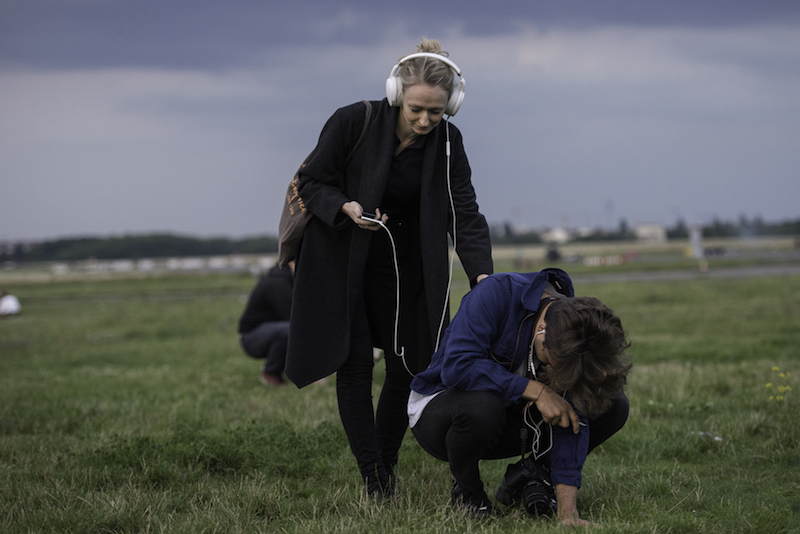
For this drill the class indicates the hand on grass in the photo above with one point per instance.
(567, 498)
(575, 522)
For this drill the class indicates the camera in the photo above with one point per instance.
(529, 483)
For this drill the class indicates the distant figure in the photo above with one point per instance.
(9, 304)
(264, 325)
(552, 252)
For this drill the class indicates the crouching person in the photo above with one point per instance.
(525, 368)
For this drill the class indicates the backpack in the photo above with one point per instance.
(295, 215)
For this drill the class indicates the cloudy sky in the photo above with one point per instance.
(190, 116)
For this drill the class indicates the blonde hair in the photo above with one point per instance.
(427, 70)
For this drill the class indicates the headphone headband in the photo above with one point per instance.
(440, 57)
(394, 87)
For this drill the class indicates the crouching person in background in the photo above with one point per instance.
(264, 325)
(524, 368)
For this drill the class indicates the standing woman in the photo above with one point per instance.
(411, 172)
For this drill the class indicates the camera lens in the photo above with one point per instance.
(538, 499)
(528, 483)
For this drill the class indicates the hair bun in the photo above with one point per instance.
(432, 46)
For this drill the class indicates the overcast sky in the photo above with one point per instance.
(190, 116)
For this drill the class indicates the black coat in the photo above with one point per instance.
(270, 301)
(330, 268)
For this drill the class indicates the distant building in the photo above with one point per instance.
(556, 235)
(651, 233)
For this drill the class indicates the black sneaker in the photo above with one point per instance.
(381, 486)
(475, 503)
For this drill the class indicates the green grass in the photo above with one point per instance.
(127, 406)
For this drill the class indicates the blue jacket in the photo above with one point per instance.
(487, 341)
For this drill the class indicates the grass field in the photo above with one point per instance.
(127, 406)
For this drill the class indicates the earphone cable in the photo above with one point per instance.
(453, 252)
(399, 351)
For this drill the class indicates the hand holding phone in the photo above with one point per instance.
(371, 217)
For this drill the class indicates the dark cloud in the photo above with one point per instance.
(215, 34)
(191, 115)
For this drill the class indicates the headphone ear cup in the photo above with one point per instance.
(394, 89)
(456, 97)
(454, 103)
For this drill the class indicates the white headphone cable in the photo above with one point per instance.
(453, 252)
(399, 351)
(528, 419)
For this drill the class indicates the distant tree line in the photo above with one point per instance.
(168, 245)
(135, 247)
(505, 234)
(744, 227)
(751, 228)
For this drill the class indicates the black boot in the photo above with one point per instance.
(475, 503)
(380, 483)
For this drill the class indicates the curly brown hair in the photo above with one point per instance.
(587, 345)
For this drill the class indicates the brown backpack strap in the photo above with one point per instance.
(367, 117)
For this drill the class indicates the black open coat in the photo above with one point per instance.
(333, 255)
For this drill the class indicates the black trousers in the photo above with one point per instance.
(375, 435)
(268, 341)
(463, 427)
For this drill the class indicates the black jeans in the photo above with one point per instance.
(374, 436)
(268, 341)
(463, 427)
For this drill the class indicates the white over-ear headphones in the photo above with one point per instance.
(394, 87)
